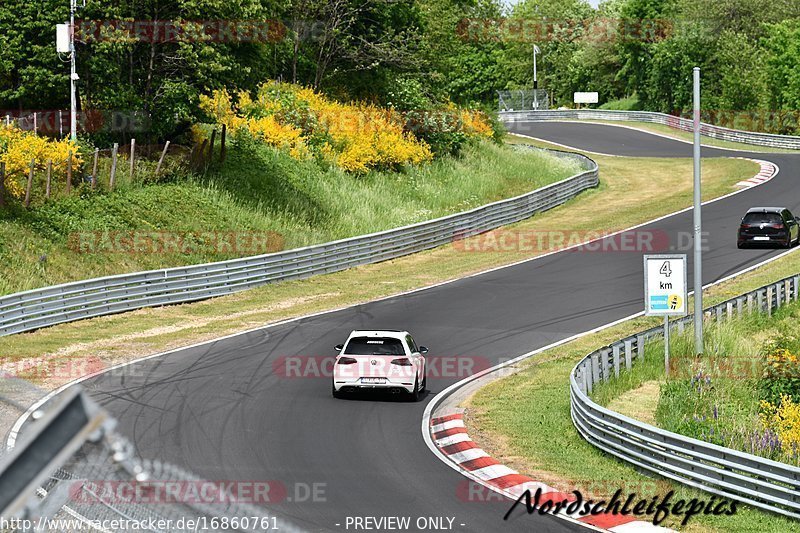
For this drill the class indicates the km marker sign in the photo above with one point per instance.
(665, 291)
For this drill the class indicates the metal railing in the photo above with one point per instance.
(30, 310)
(679, 123)
(754, 480)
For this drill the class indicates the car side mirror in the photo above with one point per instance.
(423, 349)
(339, 347)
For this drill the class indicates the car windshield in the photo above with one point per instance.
(762, 218)
(374, 346)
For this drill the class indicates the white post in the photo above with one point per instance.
(698, 250)
(666, 345)
(73, 121)
(535, 80)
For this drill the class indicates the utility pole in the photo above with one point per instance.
(698, 249)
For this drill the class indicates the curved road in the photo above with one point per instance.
(223, 411)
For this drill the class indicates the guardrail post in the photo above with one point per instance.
(628, 353)
(769, 300)
(760, 299)
(681, 325)
(729, 310)
(640, 340)
(796, 283)
(616, 360)
(595, 368)
(604, 363)
(587, 379)
(739, 305)
(718, 313)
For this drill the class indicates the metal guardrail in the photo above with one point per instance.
(741, 476)
(679, 123)
(30, 310)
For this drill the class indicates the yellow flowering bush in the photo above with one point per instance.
(476, 123)
(781, 363)
(784, 420)
(358, 137)
(18, 148)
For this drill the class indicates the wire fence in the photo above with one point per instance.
(107, 488)
(523, 100)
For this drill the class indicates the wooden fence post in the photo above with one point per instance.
(161, 159)
(49, 174)
(30, 183)
(133, 158)
(113, 178)
(69, 173)
(222, 143)
(211, 146)
(94, 168)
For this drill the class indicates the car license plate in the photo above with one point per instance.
(373, 381)
(760, 238)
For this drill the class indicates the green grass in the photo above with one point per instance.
(523, 420)
(623, 104)
(257, 190)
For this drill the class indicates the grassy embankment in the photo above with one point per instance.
(260, 191)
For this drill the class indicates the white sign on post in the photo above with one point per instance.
(665, 291)
(586, 98)
(665, 285)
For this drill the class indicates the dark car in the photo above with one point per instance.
(768, 226)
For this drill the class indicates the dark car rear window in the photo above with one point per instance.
(374, 346)
(762, 218)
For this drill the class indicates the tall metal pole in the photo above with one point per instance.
(666, 345)
(535, 79)
(73, 120)
(698, 250)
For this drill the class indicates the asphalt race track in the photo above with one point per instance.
(222, 411)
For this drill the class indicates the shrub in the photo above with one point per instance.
(357, 137)
(18, 148)
(781, 375)
(784, 420)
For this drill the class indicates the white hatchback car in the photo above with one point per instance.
(384, 360)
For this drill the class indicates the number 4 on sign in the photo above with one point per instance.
(665, 270)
